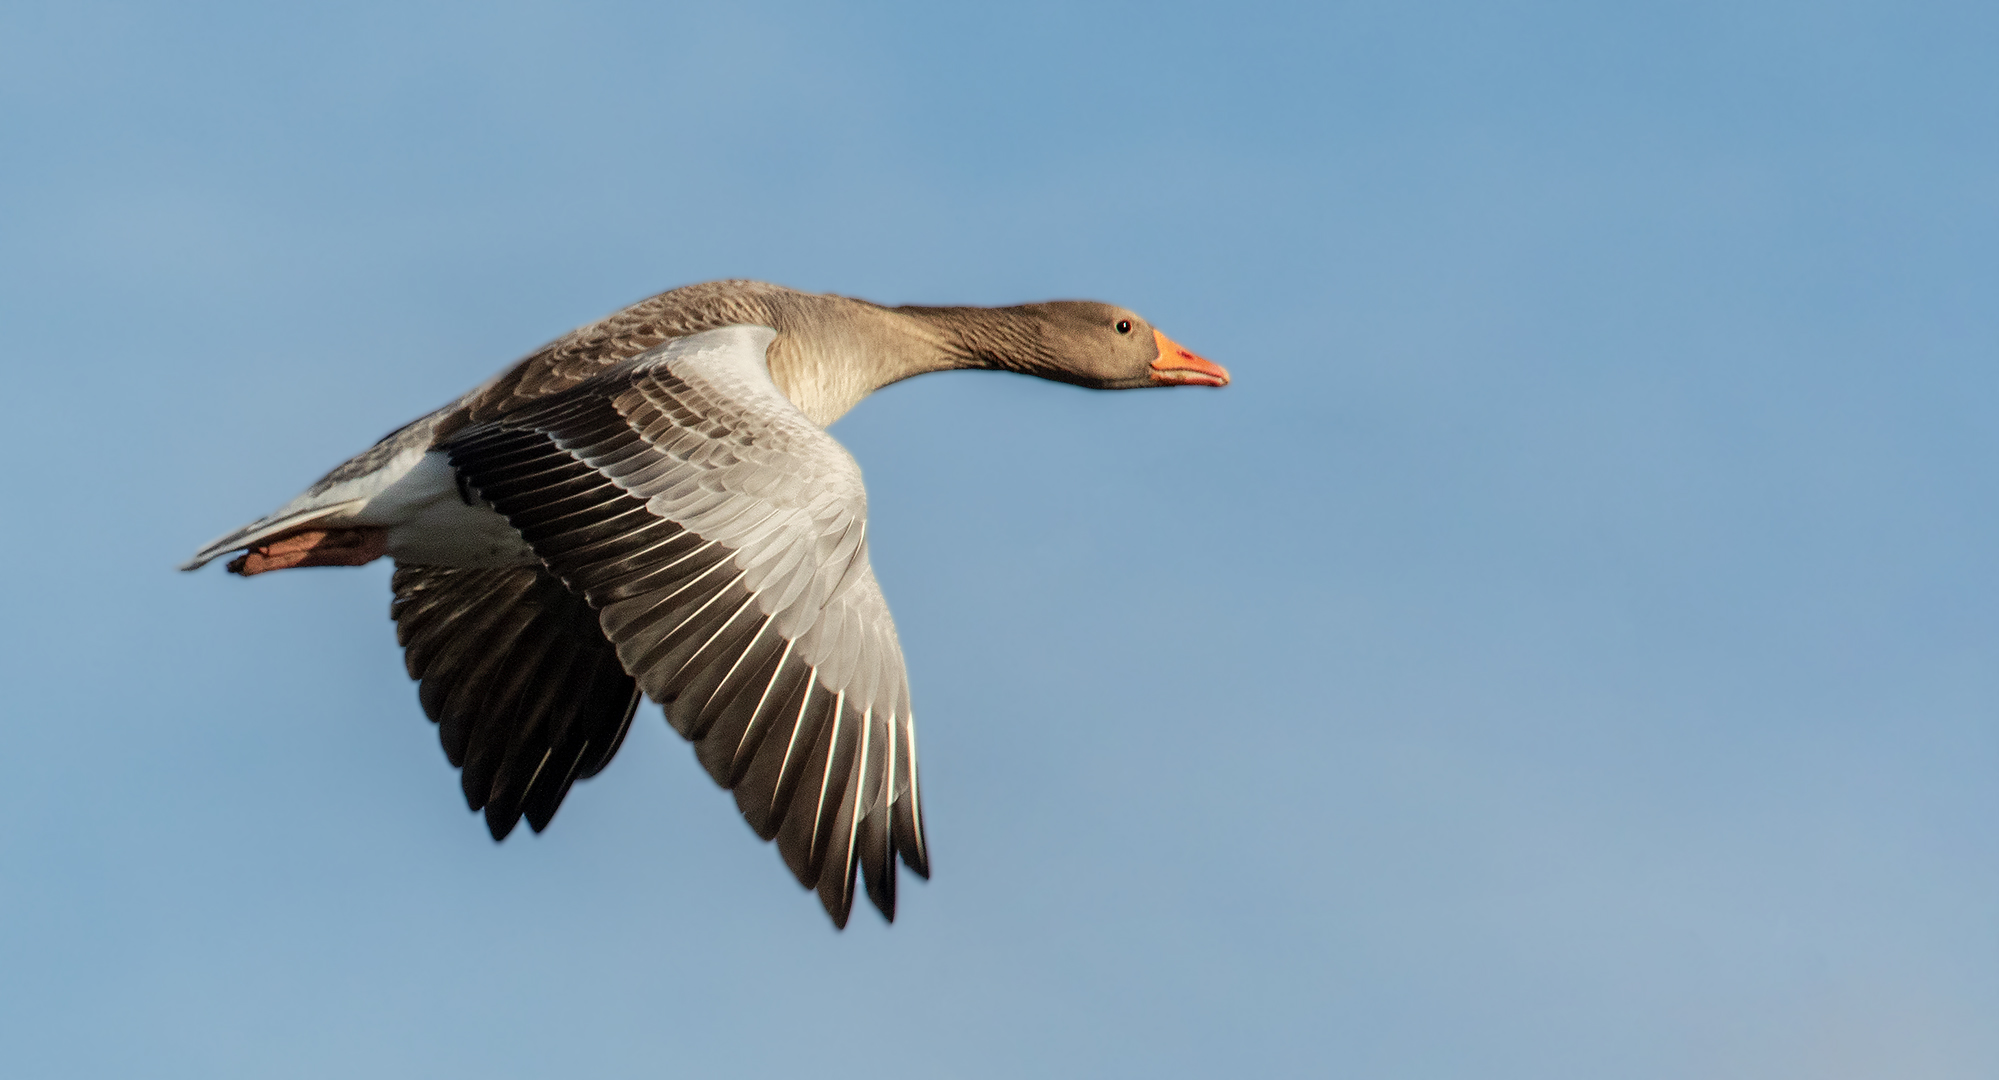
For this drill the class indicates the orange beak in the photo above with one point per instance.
(1180, 367)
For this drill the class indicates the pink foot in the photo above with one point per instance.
(314, 547)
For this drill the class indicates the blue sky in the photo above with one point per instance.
(1566, 651)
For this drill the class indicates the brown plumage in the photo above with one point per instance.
(649, 504)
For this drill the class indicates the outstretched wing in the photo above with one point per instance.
(527, 695)
(722, 539)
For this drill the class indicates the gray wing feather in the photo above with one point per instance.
(721, 536)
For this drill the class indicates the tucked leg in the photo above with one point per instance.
(314, 547)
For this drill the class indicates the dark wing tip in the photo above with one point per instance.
(499, 822)
(527, 693)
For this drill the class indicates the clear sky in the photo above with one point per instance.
(1568, 650)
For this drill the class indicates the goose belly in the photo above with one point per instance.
(433, 522)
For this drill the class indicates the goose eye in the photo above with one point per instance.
(1124, 326)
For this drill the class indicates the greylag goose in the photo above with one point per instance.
(650, 505)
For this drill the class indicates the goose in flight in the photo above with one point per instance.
(650, 505)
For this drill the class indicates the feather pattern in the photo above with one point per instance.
(527, 694)
(650, 505)
(720, 536)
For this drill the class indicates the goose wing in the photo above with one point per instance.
(527, 694)
(721, 538)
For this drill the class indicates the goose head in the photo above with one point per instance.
(1107, 347)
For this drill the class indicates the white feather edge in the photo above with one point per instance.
(355, 501)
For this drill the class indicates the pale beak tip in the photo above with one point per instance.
(1181, 366)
